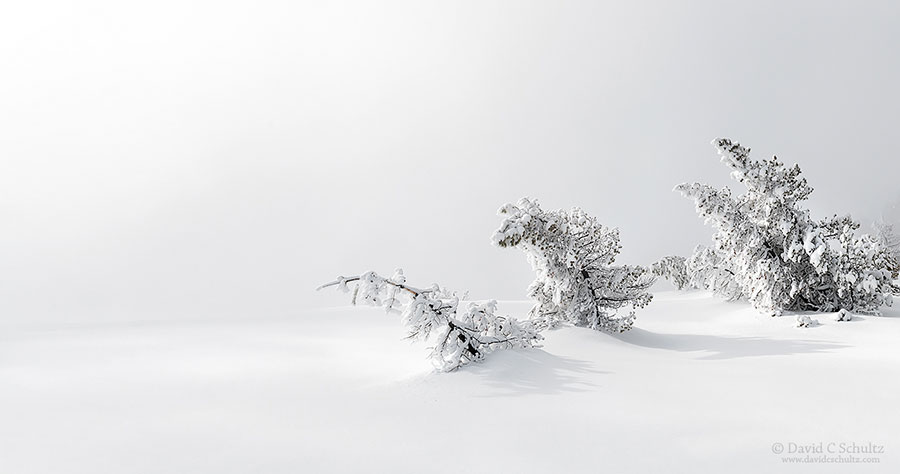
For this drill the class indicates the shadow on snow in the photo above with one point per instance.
(725, 347)
(533, 371)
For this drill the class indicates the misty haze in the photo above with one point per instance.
(577, 293)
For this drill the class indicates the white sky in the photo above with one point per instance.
(197, 159)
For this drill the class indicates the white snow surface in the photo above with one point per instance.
(699, 385)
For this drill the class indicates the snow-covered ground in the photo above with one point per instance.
(700, 385)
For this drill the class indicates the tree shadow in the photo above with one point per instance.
(533, 371)
(725, 347)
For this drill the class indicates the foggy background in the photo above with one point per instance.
(221, 159)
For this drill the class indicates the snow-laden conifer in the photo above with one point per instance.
(886, 235)
(704, 270)
(674, 269)
(769, 250)
(433, 314)
(572, 256)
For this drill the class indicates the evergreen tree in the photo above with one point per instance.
(768, 249)
(885, 235)
(674, 269)
(572, 256)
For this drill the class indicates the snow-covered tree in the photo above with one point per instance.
(674, 269)
(572, 255)
(433, 314)
(885, 234)
(704, 270)
(768, 249)
(708, 270)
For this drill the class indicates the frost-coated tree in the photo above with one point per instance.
(433, 314)
(885, 234)
(674, 269)
(703, 270)
(572, 255)
(768, 249)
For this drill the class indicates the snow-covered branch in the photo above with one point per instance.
(432, 314)
(674, 269)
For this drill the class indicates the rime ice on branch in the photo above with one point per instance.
(703, 270)
(432, 314)
(674, 269)
(884, 233)
(766, 248)
(572, 254)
